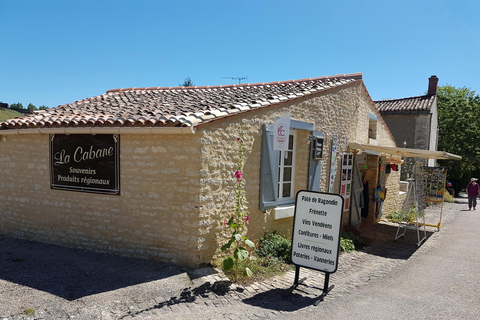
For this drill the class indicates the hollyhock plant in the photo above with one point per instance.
(238, 175)
(238, 220)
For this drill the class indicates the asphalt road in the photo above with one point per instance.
(441, 281)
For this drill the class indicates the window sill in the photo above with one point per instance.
(284, 212)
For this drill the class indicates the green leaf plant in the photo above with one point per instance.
(237, 222)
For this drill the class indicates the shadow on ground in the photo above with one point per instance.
(380, 241)
(189, 295)
(277, 299)
(73, 273)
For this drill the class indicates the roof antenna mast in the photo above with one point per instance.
(236, 78)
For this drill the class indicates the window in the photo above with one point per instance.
(372, 128)
(277, 168)
(286, 169)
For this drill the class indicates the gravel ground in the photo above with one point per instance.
(42, 281)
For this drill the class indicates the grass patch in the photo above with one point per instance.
(262, 268)
(29, 311)
(6, 114)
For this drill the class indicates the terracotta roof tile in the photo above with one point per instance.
(420, 104)
(174, 106)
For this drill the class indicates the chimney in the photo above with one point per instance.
(432, 85)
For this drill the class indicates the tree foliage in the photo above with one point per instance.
(459, 130)
(187, 83)
(16, 106)
(30, 107)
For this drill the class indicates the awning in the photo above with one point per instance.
(405, 152)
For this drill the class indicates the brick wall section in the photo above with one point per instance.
(176, 190)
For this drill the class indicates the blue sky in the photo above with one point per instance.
(55, 52)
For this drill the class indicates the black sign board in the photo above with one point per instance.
(85, 163)
(318, 148)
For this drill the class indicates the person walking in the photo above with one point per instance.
(472, 193)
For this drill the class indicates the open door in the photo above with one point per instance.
(357, 190)
(381, 183)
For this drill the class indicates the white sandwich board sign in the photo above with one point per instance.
(316, 230)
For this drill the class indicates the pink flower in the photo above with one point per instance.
(238, 175)
(247, 219)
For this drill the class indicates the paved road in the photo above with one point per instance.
(386, 280)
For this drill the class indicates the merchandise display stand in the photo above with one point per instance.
(414, 223)
(435, 190)
(426, 188)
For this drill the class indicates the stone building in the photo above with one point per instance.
(149, 172)
(413, 121)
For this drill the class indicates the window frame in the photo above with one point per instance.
(281, 166)
(268, 187)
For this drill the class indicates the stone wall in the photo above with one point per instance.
(340, 112)
(402, 128)
(156, 215)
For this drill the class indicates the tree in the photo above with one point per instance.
(187, 83)
(31, 107)
(16, 106)
(459, 129)
(43, 107)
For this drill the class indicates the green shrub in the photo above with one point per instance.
(447, 197)
(398, 216)
(347, 245)
(401, 216)
(349, 241)
(273, 245)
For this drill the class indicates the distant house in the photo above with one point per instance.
(149, 172)
(413, 121)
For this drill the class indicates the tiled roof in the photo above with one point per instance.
(174, 106)
(420, 104)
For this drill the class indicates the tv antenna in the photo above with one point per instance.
(236, 78)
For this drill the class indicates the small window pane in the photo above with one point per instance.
(287, 174)
(286, 189)
(288, 158)
(290, 142)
